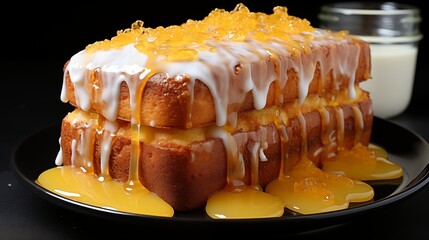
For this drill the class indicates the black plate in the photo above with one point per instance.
(37, 153)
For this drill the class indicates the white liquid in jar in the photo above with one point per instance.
(393, 70)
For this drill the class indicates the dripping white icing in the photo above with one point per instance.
(59, 158)
(215, 69)
(116, 66)
(235, 163)
(230, 72)
(303, 126)
(359, 122)
(358, 116)
(108, 133)
(340, 126)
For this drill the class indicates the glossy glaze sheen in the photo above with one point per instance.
(410, 151)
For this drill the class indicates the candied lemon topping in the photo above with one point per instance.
(182, 42)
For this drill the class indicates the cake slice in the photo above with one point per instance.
(236, 97)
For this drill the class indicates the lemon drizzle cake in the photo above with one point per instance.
(234, 100)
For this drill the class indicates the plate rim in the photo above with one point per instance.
(415, 185)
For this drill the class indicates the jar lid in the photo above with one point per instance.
(400, 39)
(386, 19)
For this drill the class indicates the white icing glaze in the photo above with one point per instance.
(152, 123)
(214, 68)
(235, 163)
(230, 72)
(303, 127)
(107, 134)
(116, 65)
(358, 116)
(359, 122)
(82, 146)
(73, 152)
(254, 162)
(328, 135)
(59, 158)
(340, 125)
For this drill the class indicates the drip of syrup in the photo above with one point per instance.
(73, 183)
(363, 163)
(241, 201)
(307, 189)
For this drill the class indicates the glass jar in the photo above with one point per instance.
(392, 29)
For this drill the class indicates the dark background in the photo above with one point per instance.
(54, 31)
(51, 33)
(38, 38)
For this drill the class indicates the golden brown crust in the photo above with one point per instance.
(167, 102)
(185, 175)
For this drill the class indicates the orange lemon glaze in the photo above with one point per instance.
(304, 189)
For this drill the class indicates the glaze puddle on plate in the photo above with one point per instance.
(36, 153)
